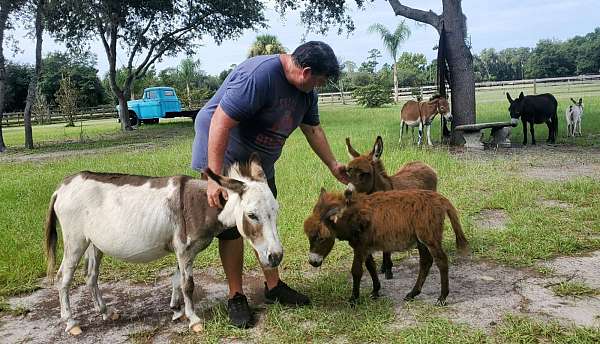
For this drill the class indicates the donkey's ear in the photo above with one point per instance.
(521, 95)
(256, 170)
(377, 149)
(351, 151)
(322, 193)
(228, 183)
(580, 101)
(510, 100)
(573, 100)
(332, 215)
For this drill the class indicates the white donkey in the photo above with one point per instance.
(422, 113)
(140, 219)
(573, 114)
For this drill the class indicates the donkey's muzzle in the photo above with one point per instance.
(275, 259)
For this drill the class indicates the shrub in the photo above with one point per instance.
(373, 95)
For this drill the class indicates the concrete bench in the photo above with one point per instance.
(473, 134)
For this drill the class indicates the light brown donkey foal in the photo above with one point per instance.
(367, 174)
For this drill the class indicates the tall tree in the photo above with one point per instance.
(37, 9)
(7, 8)
(81, 66)
(266, 45)
(189, 72)
(392, 42)
(320, 15)
(149, 30)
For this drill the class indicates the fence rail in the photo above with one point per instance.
(54, 116)
(404, 93)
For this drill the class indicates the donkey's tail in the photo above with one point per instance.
(461, 241)
(51, 238)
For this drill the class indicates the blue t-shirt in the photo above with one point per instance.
(267, 107)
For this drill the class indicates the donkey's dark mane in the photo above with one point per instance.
(436, 96)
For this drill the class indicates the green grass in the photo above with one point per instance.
(533, 232)
(577, 289)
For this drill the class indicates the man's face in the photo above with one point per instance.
(310, 80)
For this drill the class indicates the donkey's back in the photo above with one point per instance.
(133, 218)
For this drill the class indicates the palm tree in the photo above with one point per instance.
(392, 41)
(266, 45)
(189, 72)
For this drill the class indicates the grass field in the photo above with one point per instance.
(29, 178)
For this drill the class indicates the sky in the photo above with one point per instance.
(496, 24)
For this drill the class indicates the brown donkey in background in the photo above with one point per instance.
(367, 174)
(421, 114)
(385, 221)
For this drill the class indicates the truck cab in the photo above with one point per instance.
(157, 102)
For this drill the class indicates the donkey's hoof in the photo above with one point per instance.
(441, 303)
(197, 327)
(177, 315)
(411, 296)
(75, 330)
(110, 315)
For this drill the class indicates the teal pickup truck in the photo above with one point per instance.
(157, 102)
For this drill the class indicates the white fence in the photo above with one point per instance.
(532, 86)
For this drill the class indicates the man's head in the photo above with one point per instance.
(317, 63)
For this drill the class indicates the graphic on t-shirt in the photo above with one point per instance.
(282, 128)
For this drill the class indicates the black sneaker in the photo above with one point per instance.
(240, 314)
(285, 295)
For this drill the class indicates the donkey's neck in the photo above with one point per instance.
(381, 180)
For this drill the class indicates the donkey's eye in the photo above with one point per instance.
(253, 216)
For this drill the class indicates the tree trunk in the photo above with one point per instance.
(189, 95)
(39, 29)
(395, 81)
(3, 20)
(460, 60)
(460, 66)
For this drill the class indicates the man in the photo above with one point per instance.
(258, 106)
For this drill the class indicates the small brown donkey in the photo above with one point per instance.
(421, 114)
(384, 221)
(367, 174)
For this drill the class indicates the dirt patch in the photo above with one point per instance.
(552, 203)
(482, 293)
(491, 219)
(141, 308)
(544, 162)
(39, 157)
(563, 173)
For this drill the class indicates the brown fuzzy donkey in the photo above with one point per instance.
(384, 221)
(368, 175)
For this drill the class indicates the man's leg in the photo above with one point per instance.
(231, 250)
(275, 289)
(232, 258)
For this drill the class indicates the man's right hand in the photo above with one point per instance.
(213, 191)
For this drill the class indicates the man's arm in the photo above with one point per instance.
(218, 137)
(318, 142)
